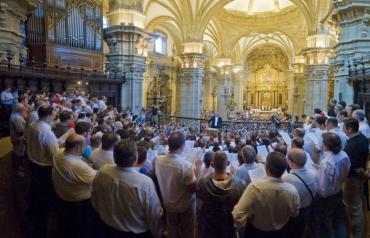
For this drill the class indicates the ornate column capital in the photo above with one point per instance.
(192, 61)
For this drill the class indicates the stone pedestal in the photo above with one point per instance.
(189, 86)
(126, 62)
(353, 19)
(12, 12)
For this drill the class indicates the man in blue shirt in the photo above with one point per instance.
(7, 101)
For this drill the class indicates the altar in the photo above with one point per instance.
(263, 114)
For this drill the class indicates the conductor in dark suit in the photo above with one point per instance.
(216, 121)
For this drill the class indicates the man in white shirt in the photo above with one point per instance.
(17, 126)
(308, 144)
(248, 156)
(104, 154)
(42, 146)
(332, 126)
(177, 183)
(126, 201)
(72, 180)
(364, 125)
(298, 143)
(102, 103)
(305, 182)
(329, 215)
(267, 205)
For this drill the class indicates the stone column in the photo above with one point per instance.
(352, 17)
(189, 85)
(316, 70)
(128, 49)
(297, 96)
(208, 84)
(12, 12)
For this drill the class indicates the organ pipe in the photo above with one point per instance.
(74, 23)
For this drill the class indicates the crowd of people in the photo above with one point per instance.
(113, 174)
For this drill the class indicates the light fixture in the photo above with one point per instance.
(79, 82)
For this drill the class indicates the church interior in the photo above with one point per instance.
(186, 59)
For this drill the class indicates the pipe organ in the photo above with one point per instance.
(67, 33)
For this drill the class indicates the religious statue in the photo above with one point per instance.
(141, 46)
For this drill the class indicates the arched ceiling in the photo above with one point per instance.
(222, 24)
(248, 43)
(258, 6)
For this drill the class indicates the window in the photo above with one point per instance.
(105, 22)
(160, 45)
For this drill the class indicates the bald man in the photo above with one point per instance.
(305, 181)
(72, 179)
(219, 193)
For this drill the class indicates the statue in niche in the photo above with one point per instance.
(141, 46)
(113, 45)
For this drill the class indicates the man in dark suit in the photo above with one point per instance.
(216, 121)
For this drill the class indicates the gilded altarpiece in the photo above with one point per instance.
(159, 84)
(266, 86)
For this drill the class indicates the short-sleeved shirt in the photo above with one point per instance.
(7, 95)
(174, 174)
(72, 177)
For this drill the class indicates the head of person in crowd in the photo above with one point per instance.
(81, 117)
(141, 159)
(83, 128)
(331, 123)
(343, 104)
(176, 142)
(75, 145)
(342, 115)
(351, 126)
(95, 141)
(201, 142)
(337, 109)
(297, 142)
(247, 155)
(359, 115)
(298, 132)
(23, 100)
(281, 148)
(220, 162)
(317, 111)
(207, 159)
(352, 108)
(332, 142)
(216, 147)
(66, 117)
(109, 140)
(319, 122)
(276, 164)
(125, 154)
(333, 102)
(38, 104)
(46, 113)
(296, 158)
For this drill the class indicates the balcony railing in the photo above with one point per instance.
(55, 73)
